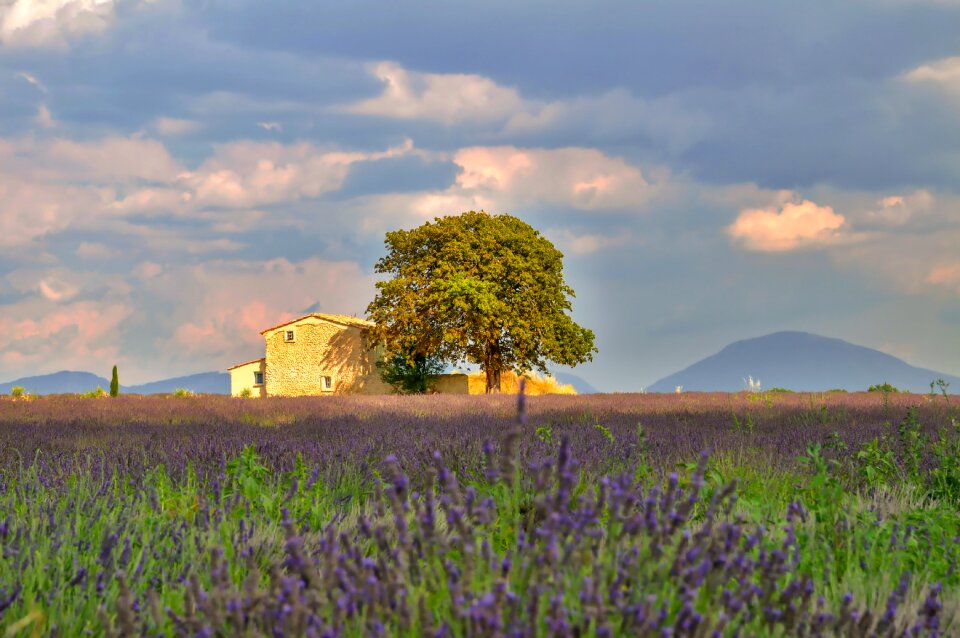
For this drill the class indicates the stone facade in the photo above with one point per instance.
(324, 354)
(318, 354)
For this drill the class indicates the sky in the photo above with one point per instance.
(177, 175)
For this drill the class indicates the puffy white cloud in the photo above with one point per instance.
(52, 22)
(457, 98)
(49, 186)
(449, 98)
(583, 178)
(250, 174)
(113, 159)
(509, 179)
(793, 226)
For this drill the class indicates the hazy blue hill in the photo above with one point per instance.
(801, 361)
(581, 385)
(203, 383)
(58, 382)
(70, 382)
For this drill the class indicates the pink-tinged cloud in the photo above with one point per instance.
(31, 209)
(225, 305)
(945, 275)
(900, 210)
(51, 23)
(43, 118)
(249, 174)
(115, 159)
(583, 178)
(791, 227)
(80, 335)
(943, 75)
(448, 98)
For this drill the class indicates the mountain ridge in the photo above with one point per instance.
(71, 381)
(800, 361)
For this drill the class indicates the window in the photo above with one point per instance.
(288, 336)
(326, 384)
(258, 378)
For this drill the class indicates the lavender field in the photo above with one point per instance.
(748, 514)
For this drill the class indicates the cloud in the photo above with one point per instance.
(943, 74)
(44, 334)
(583, 178)
(175, 126)
(38, 23)
(502, 179)
(32, 79)
(172, 318)
(220, 307)
(114, 159)
(30, 209)
(945, 274)
(458, 99)
(668, 121)
(43, 118)
(588, 243)
(94, 250)
(270, 126)
(899, 210)
(449, 98)
(793, 226)
(49, 186)
(250, 174)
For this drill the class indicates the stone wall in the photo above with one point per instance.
(320, 348)
(456, 383)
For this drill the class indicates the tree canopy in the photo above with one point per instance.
(478, 288)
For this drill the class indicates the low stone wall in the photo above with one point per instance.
(451, 384)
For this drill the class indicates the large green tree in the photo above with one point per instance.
(478, 288)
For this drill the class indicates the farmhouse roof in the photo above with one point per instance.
(246, 363)
(345, 320)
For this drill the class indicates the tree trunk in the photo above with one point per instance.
(492, 367)
(493, 380)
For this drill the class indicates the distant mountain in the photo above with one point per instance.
(801, 361)
(58, 382)
(66, 382)
(203, 383)
(581, 385)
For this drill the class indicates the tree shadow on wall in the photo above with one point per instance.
(350, 358)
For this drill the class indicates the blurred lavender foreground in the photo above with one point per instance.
(813, 515)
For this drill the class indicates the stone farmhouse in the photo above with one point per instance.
(321, 354)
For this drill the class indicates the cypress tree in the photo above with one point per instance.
(115, 383)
